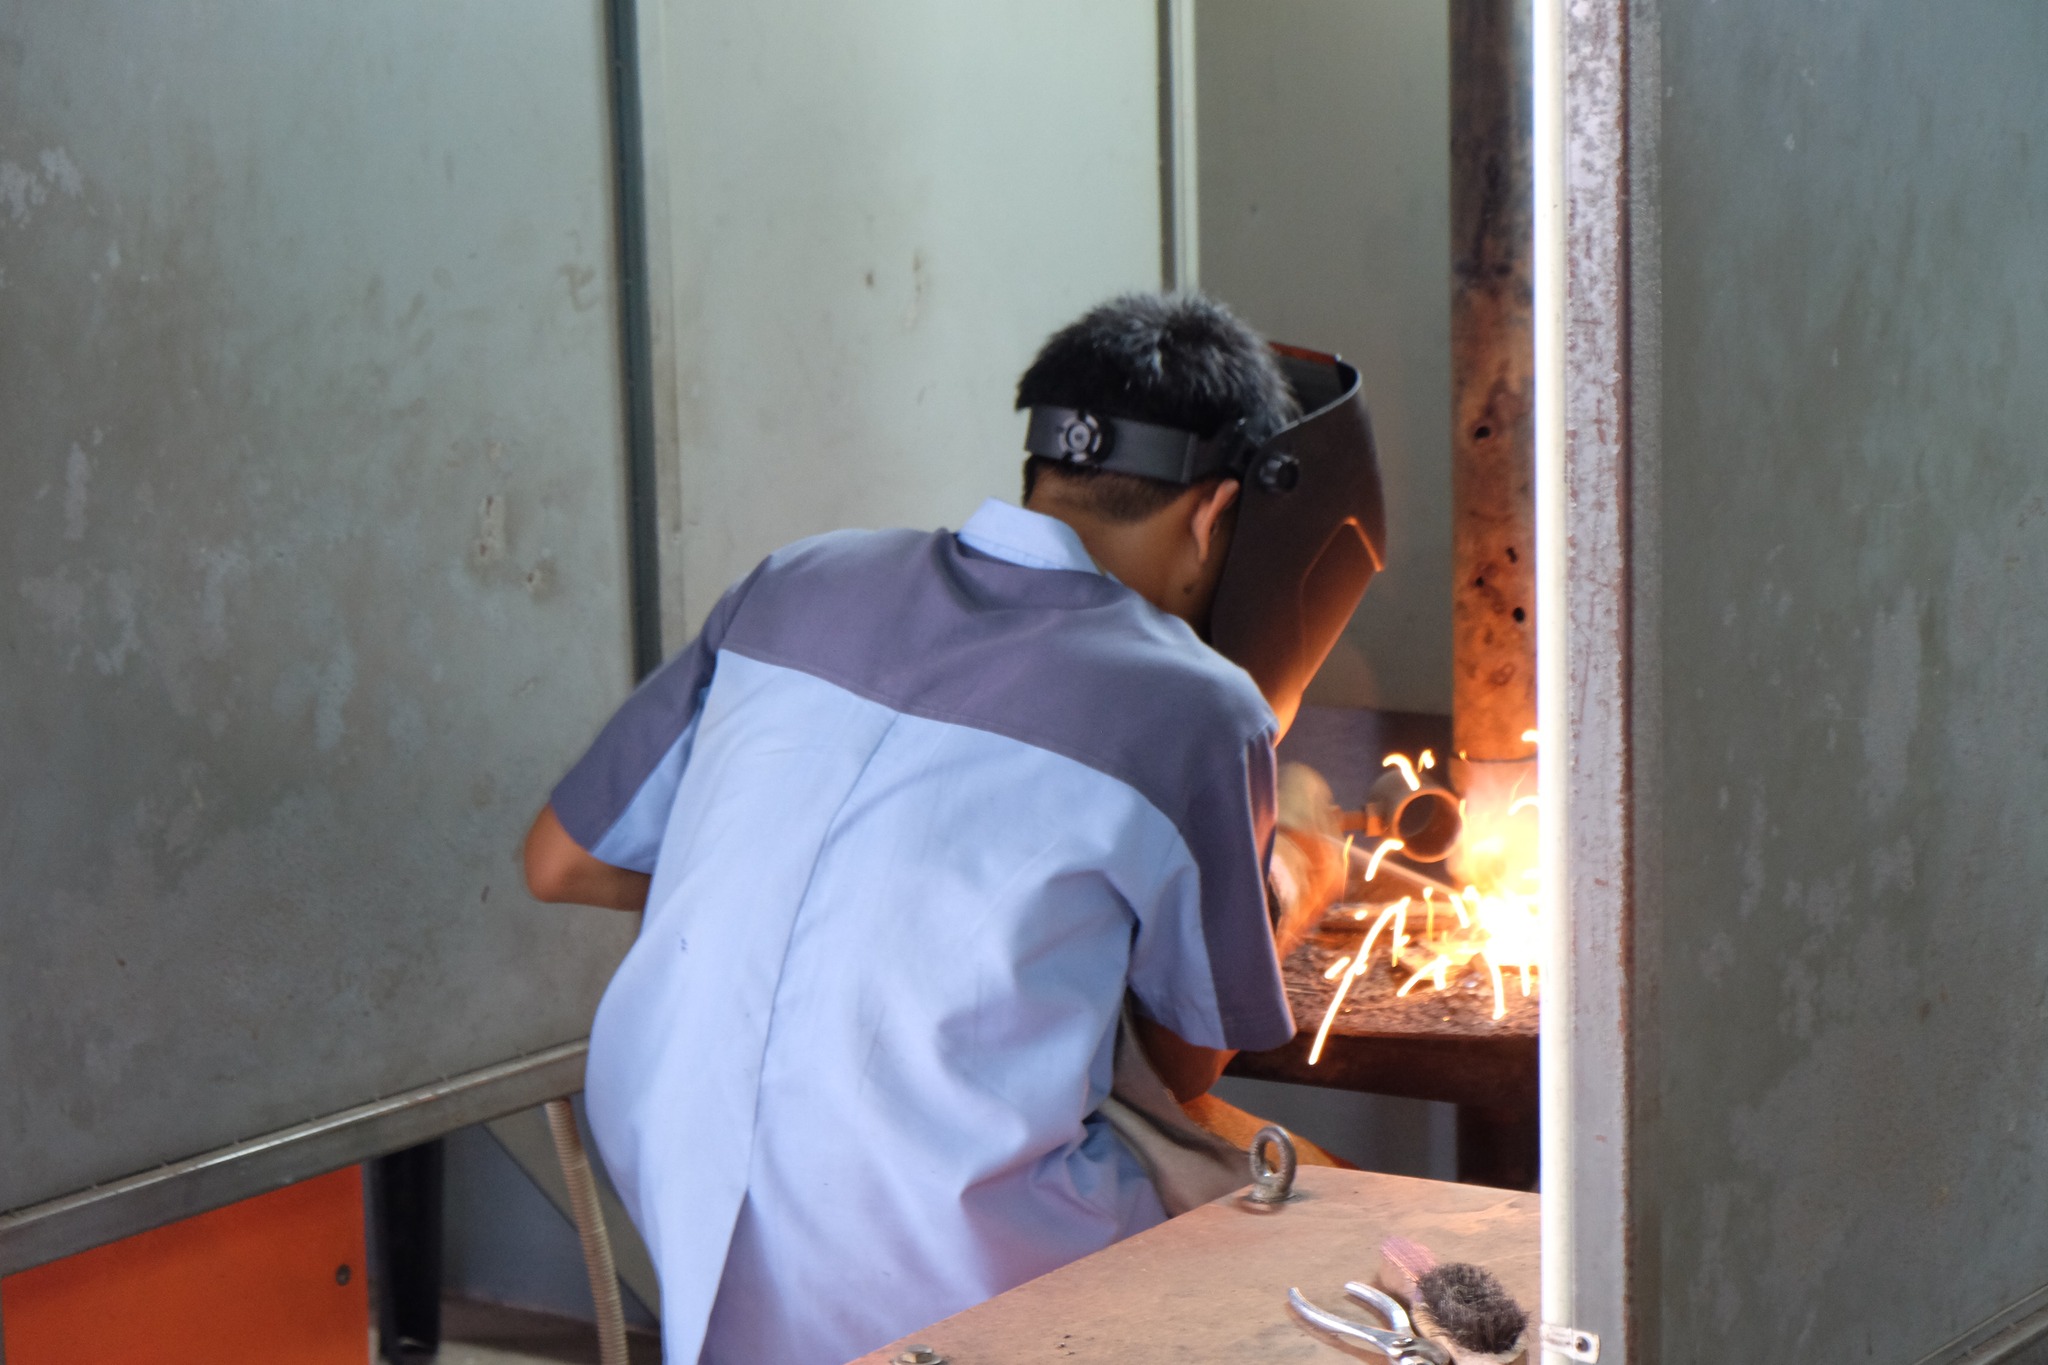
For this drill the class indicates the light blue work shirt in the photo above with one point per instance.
(920, 808)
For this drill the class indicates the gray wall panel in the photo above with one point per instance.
(1325, 159)
(311, 482)
(879, 212)
(1853, 1024)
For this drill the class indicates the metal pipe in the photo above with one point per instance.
(1493, 611)
(1423, 814)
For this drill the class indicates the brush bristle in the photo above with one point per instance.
(1472, 1307)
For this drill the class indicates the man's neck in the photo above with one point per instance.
(1129, 552)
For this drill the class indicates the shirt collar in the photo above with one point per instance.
(1024, 537)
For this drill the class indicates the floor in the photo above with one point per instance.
(488, 1334)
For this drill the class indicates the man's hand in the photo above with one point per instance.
(558, 869)
(1188, 1070)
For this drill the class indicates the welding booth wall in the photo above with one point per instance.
(312, 513)
(1837, 388)
(317, 500)
(877, 214)
(1324, 144)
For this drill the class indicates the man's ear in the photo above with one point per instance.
(1208, 515)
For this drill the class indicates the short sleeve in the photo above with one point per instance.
(1202, 959)
(615, 801)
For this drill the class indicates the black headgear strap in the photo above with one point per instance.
(1121, 445)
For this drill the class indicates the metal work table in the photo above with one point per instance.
(1427, 1045)
(1212, 1284)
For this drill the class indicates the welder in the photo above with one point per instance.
(917, 813)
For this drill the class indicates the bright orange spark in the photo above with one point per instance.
(1379, 855)
(1358, 966)
(1426, 971)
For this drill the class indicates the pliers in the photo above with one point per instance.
(1400, 1344)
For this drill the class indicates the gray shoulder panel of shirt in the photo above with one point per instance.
(1064, 659)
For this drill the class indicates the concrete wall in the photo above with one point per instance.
(1324, 137)
(1843, 643)
(878, 212)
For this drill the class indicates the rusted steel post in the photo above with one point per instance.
(1493, 614)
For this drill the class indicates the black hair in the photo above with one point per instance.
(1180, 360)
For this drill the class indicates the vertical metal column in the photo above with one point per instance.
(1179, 202)
(1493, 464)
(1493, 470)
(636, 346)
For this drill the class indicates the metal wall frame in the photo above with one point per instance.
(1179, 191)
(1586, 546)
(240, 1170)
(1600, 91)
(60, 1227)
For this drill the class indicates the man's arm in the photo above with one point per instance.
(1188, 1070)
(559, 869)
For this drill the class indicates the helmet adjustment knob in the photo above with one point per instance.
(1279, 472)
(1081, 438)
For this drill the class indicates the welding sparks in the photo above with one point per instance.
(1433, 971)
(1397, 911)
(1498, 919)
(1359, 965)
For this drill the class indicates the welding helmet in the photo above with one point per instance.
(1311, 522)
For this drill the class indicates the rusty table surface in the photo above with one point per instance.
(1212, 1284)
(1427, 1045)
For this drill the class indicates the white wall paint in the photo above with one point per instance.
(1324, 133)
(877, 213)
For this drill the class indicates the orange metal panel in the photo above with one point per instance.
(277, 1279)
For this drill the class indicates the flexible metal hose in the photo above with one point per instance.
(597, 1246)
